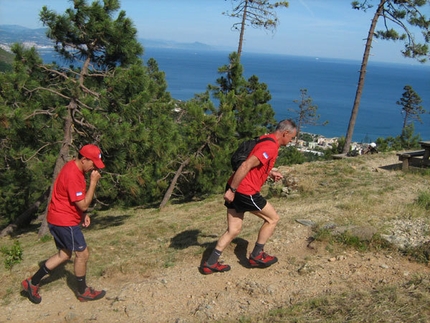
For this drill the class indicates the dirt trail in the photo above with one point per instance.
(182, 294)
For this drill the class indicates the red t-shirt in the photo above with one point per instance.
(69, 187)
(266, 152)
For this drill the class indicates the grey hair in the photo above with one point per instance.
(286, 125)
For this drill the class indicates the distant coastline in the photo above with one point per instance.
(331, 82)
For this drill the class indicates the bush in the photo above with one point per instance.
(424, 200)
(289, 156)
(13, 255)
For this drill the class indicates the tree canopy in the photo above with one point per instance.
(101, 91)
(399, 19)
(255, 13)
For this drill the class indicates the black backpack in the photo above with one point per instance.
(243, 151)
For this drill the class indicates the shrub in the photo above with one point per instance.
(13, 255)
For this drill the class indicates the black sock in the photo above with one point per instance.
(257, 249)
(37, 277)
(82, 284)
(213, 258)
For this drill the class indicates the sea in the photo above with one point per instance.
(331, 84)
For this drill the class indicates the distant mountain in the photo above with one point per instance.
(10, 34)
(154, 43)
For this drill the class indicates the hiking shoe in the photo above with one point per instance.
(216, 267)
(91, 294)
(32, 291)
(263, 260)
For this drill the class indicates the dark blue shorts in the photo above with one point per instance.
(68, 238)
(243, 203)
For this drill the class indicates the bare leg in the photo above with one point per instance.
(57, 259)
(234, 221)
(81, 260)
(271, 218)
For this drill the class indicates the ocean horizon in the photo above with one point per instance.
(330, 82)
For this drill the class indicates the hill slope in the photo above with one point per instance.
(148, 260)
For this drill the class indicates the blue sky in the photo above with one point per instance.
(316, 28)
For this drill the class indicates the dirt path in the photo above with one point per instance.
(182, 294)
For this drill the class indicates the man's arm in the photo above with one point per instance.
(240, 174)
(85, 203)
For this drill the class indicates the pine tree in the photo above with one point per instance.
(401, 14)
(306, 113)
(257, 13)
(247, 99)
(411, 108)
(105, 95)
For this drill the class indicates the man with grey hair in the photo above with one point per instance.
(243, 195)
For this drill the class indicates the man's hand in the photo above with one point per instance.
(95, 175)
(87, 221)
(276, 176)
(229, 196)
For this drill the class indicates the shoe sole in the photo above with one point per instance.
(259, 264)
(212, 271)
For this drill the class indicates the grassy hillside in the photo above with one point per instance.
(328, 272)
(6, 60)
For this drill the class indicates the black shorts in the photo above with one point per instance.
(68, 238)
(243, 203)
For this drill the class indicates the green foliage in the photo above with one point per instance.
(13, 255)
(289, 156)
(424, 200)
(351, 240)
(306, 137)
(246, 99)
(257, 13)
(406, 141)
(404, 15)
(29, 137)
(46, 238)
(5, 67)
(118, 103)
(306, 114)
(6, 60)
(89, 32)
(340, 145)
(411, 108)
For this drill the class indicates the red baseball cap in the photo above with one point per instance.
(93, 153)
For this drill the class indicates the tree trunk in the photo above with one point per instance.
(361, 78)
(172, 185)
(25, 218)
(178, 173)
(405, 120)
(242, 29)
(63, 157)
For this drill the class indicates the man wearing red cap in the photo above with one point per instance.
(66, 212)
